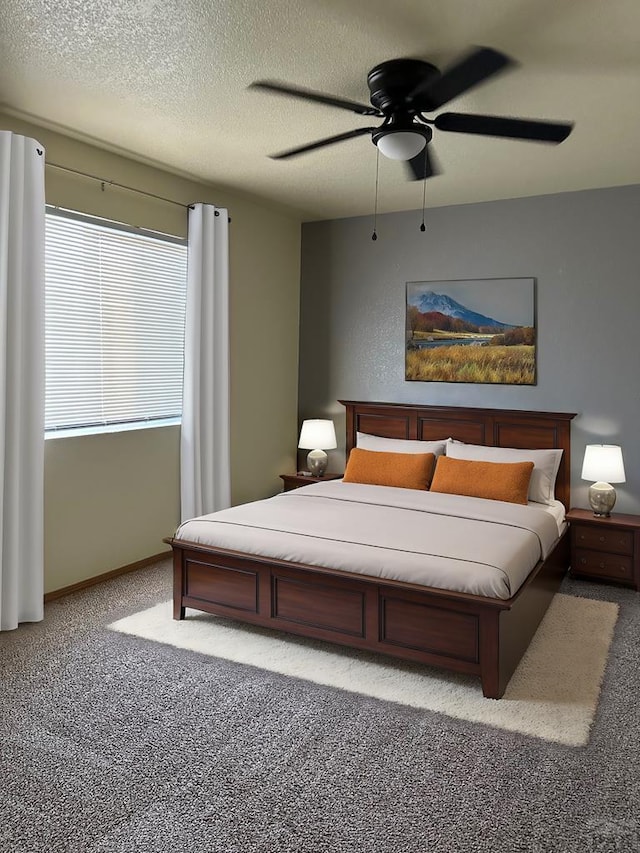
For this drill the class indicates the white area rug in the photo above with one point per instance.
(552, 695)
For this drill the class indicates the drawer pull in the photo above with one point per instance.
(583, 560)
(602, 565)
(602, 538)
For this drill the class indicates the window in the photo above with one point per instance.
(114, 317)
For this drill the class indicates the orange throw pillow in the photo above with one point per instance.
(377, 468)
(497, 481)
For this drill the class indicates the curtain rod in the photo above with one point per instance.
(104, 181)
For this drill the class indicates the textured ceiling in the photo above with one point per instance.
(167, 82)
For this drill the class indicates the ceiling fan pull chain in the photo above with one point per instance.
(374, 236)
(423, 227)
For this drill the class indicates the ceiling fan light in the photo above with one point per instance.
(401, 144)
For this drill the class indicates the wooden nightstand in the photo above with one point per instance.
(606, 549)
(294, 481)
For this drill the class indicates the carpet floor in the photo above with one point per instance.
(111, 743)
(553, 694)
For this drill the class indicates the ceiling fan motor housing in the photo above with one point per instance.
(391, 83)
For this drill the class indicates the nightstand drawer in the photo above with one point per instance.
(614, 541)
(603, 565)
(605, 548)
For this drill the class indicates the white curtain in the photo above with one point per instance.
(204, 444)
(22, 209)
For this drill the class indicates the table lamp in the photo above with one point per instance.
(317, 436)
(603, 462)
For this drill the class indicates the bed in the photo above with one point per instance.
(477, 630)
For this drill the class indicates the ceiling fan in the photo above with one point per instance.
(402, 90)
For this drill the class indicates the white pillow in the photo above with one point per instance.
(399, 445)
(545, 464)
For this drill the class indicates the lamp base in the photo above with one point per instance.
(602, 497)
(317, 462)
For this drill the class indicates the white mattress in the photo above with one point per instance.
(464, 544)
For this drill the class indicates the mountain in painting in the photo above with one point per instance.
(429, 301)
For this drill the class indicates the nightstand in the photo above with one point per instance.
(605, 548)
(294, 481)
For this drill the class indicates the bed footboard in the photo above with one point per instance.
(463, 633)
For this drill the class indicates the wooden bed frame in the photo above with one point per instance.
(464, 633)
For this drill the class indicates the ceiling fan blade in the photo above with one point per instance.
(475, 67)
(302, 149)
(511, 128)
(422, 166)
(318, 97)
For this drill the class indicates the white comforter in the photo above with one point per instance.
(447, 541)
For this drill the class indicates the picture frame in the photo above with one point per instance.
(479, 331)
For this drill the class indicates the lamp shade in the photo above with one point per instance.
(401, 144)
(317, 434)
(603, 462)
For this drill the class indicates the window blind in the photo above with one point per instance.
(114, 323)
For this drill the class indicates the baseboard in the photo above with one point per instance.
(123, 570)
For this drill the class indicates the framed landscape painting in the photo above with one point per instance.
(478, 330)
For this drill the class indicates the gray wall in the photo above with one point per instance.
(582, 248)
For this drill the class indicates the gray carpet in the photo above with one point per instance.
(113, 744)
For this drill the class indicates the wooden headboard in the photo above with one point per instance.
(491, 427)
